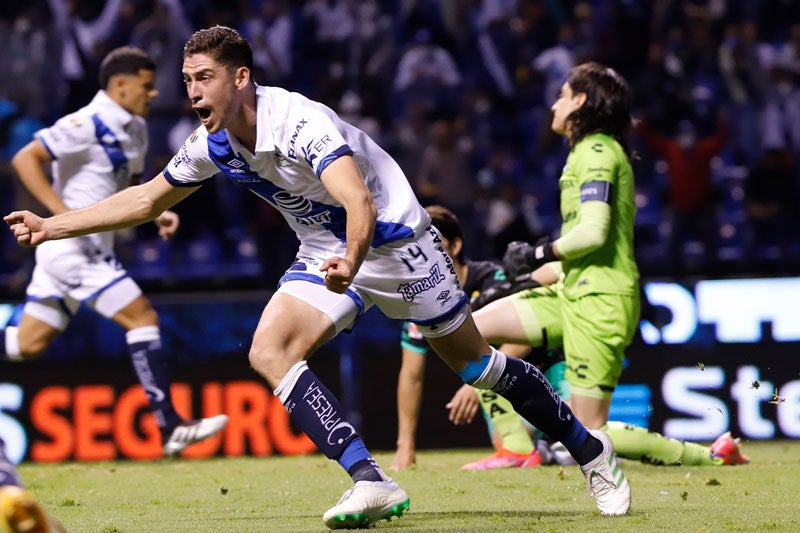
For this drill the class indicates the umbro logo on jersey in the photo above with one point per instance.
(443, 295)
(236, 163)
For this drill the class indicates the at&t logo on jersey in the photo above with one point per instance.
(301, 208)
(292, 203)
(410, 290)
(319, 219)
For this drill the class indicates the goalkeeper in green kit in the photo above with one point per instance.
(592, 304)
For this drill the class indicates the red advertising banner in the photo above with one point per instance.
(98, 414)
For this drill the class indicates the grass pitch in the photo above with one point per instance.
(289, 494)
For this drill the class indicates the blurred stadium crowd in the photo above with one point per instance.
(459, 92)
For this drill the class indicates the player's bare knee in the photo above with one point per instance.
(32, 349)
(269, 363)
(149, 317)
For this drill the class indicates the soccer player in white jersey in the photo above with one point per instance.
(94, 153)
(364, 240)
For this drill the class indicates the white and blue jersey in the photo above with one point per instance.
(297, 139)
(406, 273)
(96, 151)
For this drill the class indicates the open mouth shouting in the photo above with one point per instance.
(204, 114)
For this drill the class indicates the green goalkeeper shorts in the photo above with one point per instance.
(597, 329)
(539, 311)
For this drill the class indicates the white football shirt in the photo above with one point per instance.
(296, 139)
(96, 152)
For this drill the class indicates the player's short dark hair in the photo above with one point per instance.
(124, 60)
(608, 104)
(448, 225)
(223, 44)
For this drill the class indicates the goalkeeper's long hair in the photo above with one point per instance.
(607, 108)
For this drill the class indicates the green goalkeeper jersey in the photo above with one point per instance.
(598, 169)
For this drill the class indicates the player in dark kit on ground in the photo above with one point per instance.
(364, 240)
(483, 281)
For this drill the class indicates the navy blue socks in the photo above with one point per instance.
(534, 398)
(318, 413)
(148, 361)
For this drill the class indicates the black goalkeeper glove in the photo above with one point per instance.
(502, 290)
(521, 257)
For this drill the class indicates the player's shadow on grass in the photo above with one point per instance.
(480, 521)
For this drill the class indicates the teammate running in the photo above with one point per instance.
(95, 152)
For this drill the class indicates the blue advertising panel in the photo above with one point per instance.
(711, 356)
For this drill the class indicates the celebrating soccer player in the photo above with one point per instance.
(364, 240)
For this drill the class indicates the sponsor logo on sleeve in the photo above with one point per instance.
(321, 144)
(292, 153)
(181, 157)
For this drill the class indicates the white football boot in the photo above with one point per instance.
(605, 480)
(191, 431)
(366, 503)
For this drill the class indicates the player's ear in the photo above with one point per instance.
(115, 82)
(457, 244)
(241, 77)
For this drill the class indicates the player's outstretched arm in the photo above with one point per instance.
(409, 401)
(463, 406)
(129, 207)
(28, 228)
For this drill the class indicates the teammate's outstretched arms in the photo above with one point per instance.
(129, 207)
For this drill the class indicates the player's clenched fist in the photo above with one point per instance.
(27, 227)
(339, 274)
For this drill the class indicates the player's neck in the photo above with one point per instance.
(461, 271)
(244, 126)
(245, 134)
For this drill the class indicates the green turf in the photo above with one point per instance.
(289, 494)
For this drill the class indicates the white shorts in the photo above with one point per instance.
(413, 279)
(71, 272)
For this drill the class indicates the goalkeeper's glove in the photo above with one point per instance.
(501, 291)
(521, 257)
